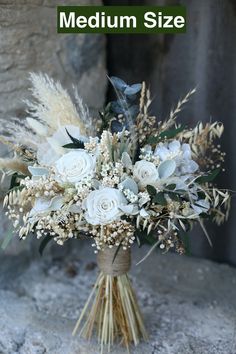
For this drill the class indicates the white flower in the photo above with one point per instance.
(75, 166)
(180, 153)
(168, 151)
(145, 173)
(52, 149)
(103, 206)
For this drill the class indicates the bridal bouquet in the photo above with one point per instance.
(122, 178)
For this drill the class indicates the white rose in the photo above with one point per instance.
(75, 166)
(145, 173)
(103, 206)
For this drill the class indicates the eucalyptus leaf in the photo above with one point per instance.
(56, 203)
(15, 180)
(175, 197)
(126, 160)
(201, 195)
(96, 183)
(74, 209)
(118, 83)
(171, 187)
(169, 134)
(44, 243)
(209, 178)
(204, 216)
(133, 89)
(144, 213)
(132, 111)
(151, 190)
(118, 106)
(116, 126)
(143, 238)
(129, 209)
(130, 184)
(159, 198)
(78, 143)
(166, 169)
(38, 171)
(181, 191)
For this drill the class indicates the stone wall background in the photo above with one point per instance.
(173, 64)
(29, 42)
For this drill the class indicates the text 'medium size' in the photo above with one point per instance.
(121, 19)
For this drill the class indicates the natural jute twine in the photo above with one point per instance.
(114, 267)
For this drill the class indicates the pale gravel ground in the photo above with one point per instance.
(189, 305)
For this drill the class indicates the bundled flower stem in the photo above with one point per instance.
(111, 309)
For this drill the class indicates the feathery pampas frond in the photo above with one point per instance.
(15, 132)
(52, 106)
(84, 115)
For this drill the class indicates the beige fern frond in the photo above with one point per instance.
(202, 137)
(52, 105)
(174, 112)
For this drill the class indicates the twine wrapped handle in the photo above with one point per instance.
(114, 267)
(111, 309)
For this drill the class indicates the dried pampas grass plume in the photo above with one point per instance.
(15, 132)
(52, 106)
(50, 109)
(14, 165)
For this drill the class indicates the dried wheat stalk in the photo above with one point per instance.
(112, 310)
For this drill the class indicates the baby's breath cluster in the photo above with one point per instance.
(60, 225)
(44, 186)
(120, 233)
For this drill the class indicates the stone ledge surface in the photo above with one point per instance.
(189, 304)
